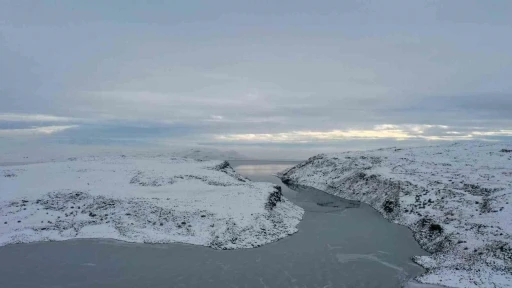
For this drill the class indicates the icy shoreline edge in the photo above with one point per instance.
(465, 228)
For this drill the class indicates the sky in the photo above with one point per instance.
(270, 79)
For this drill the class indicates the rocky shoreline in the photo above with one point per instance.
(455, 198)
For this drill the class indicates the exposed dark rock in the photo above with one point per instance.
(274, 197)
(435, 228)
(389, 206)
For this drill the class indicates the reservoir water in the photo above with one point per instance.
(340, 243)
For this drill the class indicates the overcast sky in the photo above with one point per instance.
(284, 79)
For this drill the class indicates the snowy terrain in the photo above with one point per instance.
(26, 153)
(457, 199)
(149, 199)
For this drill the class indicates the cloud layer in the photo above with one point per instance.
(290, 73)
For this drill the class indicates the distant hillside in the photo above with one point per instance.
(38, 153)
(209, 154)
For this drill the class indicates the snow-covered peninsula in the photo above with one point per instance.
(457, 199)
(147, 199)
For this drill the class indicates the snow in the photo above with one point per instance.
(141, 198)
(455, 198)
(26, 153)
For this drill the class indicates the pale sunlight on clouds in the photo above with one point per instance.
(45, 130)
(385, 131)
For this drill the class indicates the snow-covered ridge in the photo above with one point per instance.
(457, 199)
(141, 199)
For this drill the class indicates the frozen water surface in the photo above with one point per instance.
(340, 243)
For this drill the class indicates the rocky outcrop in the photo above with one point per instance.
(274, 197)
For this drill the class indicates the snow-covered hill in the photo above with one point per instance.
(150, 199)
(457, 199)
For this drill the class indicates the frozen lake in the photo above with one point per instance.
(339, 244)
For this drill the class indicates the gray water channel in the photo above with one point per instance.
(340, 243)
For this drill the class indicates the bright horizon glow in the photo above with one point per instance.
(385, 131)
